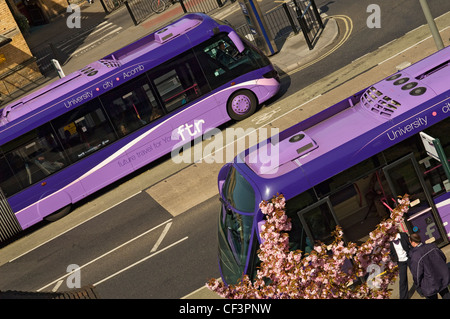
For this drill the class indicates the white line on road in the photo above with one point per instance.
(163, 234)
(107, 253)
(411, 46)
(203, 288)
(58, 284)
(103, 27)
(84, 221)
(62, 45)
(97, 40)
(140, 261)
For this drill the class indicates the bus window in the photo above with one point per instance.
(8, 181)
(222, 62)
(238, 192)
(179, 81)
(238, 229)
(226, 54)
(84, 130)
(217, 57)
(131, 106)
(352, 174)
(32, 157)
(440, 131)
(431, 168)
(319, 221)
(403, 148)
(298, 239)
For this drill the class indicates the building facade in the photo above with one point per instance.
(17, 64)
(40, 12)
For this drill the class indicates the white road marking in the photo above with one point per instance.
(140, 261)
(96, 41)
(58, 284)
(107, 253)
(163, 234)
(84, 221)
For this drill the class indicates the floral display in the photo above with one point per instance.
(338, 270)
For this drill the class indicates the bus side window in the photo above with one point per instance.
(216, 72)
(221, 61)
(84, 130)
(179, 81)
(9, 182)
(440, 131)
(32, 157)
(131, 106)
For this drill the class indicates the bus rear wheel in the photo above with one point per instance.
(58, 214)
(241, 105)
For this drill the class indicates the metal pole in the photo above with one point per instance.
(432, 24)
(316, 13)
(291, 21)
(131, 13)
(304, 27)
(104, 6)
(297, 8)
(182, 6)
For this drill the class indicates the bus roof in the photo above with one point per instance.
(352, 130)
(143, 52)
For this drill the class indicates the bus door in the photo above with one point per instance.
(319, 221)
(404, 177)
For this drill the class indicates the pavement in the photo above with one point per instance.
(293, 56)
(294, 51)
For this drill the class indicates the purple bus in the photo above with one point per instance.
(346, 166)
(94, 126)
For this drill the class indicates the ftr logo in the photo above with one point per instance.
(73, 20)
(191, 129)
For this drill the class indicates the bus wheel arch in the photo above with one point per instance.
(242, 104)
(54, 204)
(60, 213)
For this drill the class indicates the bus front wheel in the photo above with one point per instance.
(241, 105)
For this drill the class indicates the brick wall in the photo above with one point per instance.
(17, 68)
(53, 8)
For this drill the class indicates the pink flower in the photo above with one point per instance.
(319, 274)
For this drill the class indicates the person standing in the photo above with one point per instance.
(399, 251)
(429, 269)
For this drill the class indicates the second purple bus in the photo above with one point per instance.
(346, 166)
(94, 126)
